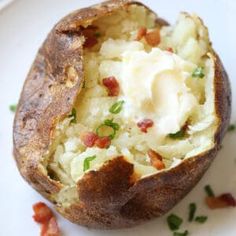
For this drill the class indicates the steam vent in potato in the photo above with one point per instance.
(121, 114)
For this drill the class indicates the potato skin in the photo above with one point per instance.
(111, 197)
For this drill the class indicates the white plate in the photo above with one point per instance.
(23, 26)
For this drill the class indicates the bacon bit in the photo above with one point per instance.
(153, 38)
(222, 201)
(88, 138)
(228, 198)
(50, 229)
(156, 159)
(215, 203)
(91, 139)
(90, 38)
(141, 33)
(44, 229)
(158, 164)
(90, 42)
(112, 85)
(103, 142)
(42, 213)
(145, 124)
(154, 155)
(170, 50)
(44, 216)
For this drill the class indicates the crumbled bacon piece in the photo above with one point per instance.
(228, 198)
(90, 38)
(90, 42)
(154, 155)
(153, 38)
(103, 142)
(141, 33)
(170, 50)
(222, 201)
(215, 203)
(112, 85)
(145, 124)
(42, 213)
(156, 159)
(88, 138)
(50, 229)
(158, 164)
(44, 216)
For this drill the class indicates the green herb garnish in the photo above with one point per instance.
(112, 124)
(73, 116)
(177, 135)
(201, 219)
(209, 191)
(116, 107)
(87, 161)
(108, 123)
(231, 127)
(174, 222)
(97, 34)
(13, 107)
(198, 72)
(185, 233)
(192, 210)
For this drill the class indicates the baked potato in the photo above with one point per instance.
(121, 114)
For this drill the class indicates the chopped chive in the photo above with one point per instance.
(198, 72)
(209, 191)
(87, 161)
(116, 107)
(73, 116)
(99, 131)
(112, 124)
(174, 222)
(192, 210)
(108, 123)
(13, 107)
(231, 127)
(178, 135)
(97, 34)
(185, 233)
(201, 219)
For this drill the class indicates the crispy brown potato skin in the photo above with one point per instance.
(111, 197)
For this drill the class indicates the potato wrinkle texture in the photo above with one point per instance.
(169, 95)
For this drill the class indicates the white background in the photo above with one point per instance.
(23, 26)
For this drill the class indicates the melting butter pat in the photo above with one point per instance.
(153, 85)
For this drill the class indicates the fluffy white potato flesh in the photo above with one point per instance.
(154, 83)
